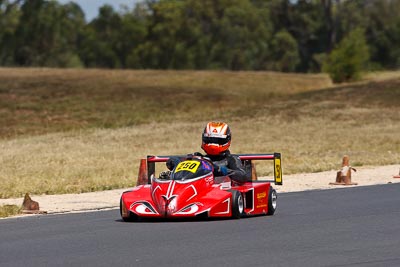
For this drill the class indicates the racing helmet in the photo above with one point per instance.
(216, 138)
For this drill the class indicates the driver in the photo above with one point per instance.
(216, 140)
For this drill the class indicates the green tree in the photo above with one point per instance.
(206, 34)
(243, 36)
(9, 18)
(383, 31)
(381, 22)
(282, 35)
(100, 35)
(111, 38)
(163, 48)
(131, 34)
(71, 29)
(285, 52)
(307, 23)
(349, 58)
(47, 34)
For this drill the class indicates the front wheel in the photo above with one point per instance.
(126, 215)
(237, 204)
(272, 197)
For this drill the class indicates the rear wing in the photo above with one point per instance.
(247, 159)
(148, 166)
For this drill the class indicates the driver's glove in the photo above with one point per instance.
(172, 162)
(221, 170)
(164, 175)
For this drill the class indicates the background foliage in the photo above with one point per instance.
(278, 35)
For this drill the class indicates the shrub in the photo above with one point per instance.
(348, 59)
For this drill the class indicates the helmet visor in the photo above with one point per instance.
(215, 140)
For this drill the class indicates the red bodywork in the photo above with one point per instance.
(204, 196)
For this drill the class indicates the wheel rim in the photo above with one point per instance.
(240, 204)
(273, 199)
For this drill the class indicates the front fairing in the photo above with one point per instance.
(191, 191)
(180, 196)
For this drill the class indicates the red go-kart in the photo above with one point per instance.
(191, 190)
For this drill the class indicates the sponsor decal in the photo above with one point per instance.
(206, 166)
(261, 195)
(278, 171)
(209, 180)
(261, 206)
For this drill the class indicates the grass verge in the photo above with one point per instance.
(9, 210)
(312, 123)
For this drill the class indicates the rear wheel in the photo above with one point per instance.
(272, 197)
(126, 215)
(237, 204)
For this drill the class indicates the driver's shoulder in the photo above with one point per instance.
(230, 155)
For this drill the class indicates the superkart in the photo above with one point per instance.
(191, 190)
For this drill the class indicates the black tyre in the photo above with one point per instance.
(237, 204)
(272, 197)
(128, 216)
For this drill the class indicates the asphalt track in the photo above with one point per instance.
(342, 227)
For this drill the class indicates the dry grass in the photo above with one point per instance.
(381, 75)
(312, 128)
(9, 210)
(39, 101)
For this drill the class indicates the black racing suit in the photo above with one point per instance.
(232, 163)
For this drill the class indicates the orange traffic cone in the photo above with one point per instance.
(343, 177)
(397, 176)
(30, 206)
(253, 172)
(142, 176)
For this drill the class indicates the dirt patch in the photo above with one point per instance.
(291, 183)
